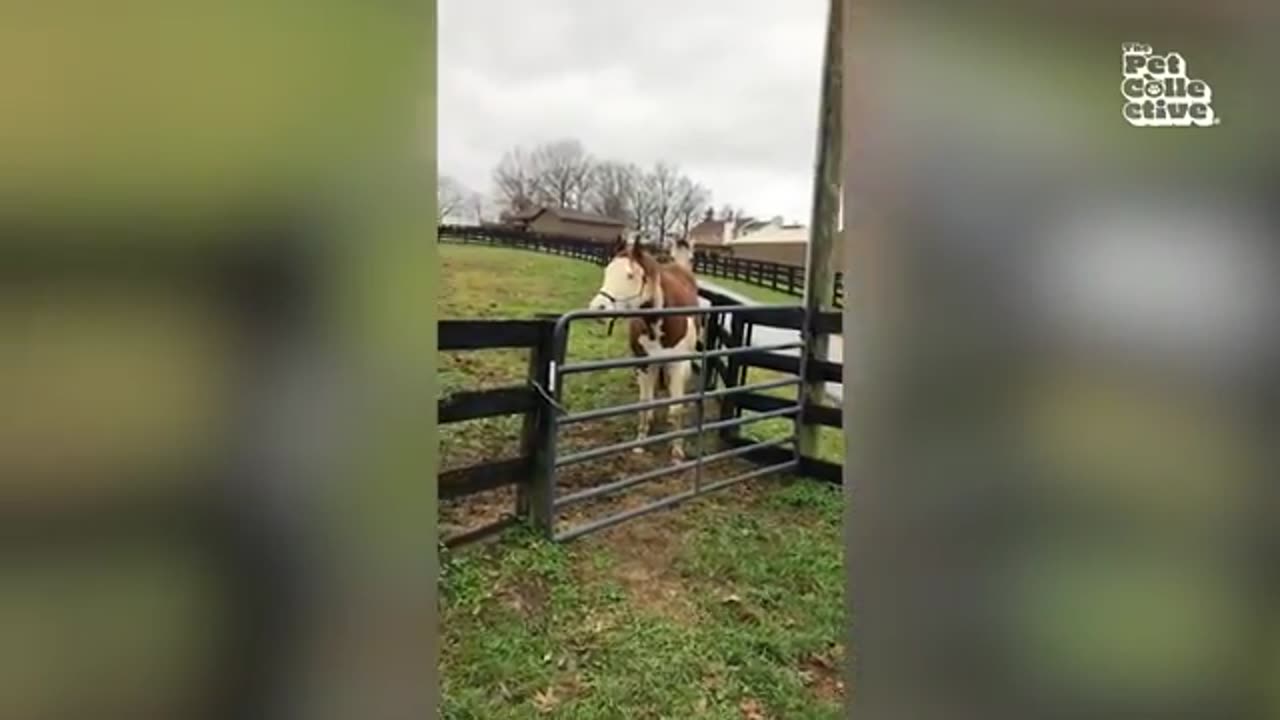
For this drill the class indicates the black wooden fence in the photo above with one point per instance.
(565, 246)
(536, 335)
(731, 372)
(786, 279)
(473, 335)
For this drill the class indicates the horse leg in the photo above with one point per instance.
(677, 383)
(647, 378)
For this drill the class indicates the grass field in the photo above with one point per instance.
(727, 607)
(765, 296)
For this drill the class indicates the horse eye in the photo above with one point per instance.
(631, 276)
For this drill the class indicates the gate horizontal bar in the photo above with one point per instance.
(744, 310)
(813, 414)
(625, 483)
(621, 517)
(761, 455)
(817, 370)
(760, 402)
(672, 435)
(749, 475)
(664, 402)
(663, 359)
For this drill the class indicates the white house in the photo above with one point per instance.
(773, 231)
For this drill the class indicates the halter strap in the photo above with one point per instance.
(615, 300)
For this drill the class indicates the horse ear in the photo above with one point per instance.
(626, 244)
(619, 245)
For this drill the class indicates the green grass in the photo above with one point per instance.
(831, 445)
(484, 282)
(728, 607)
(481, 282)
(531, 628)
(764, 296)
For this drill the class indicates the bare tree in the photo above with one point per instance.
(476, 205)
(451, 196)
(661, 203)
(663, 184)
(691, 199)
(515, 180)
(728, 212)
(643, 203)
(562, 174)
(611, 190)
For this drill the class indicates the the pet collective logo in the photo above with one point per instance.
(1158, 92)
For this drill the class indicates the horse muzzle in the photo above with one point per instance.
(603, 301)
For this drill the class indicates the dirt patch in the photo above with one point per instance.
(567, 687)
(529, 598)
(821, 673)
(474, 511)
(642, 494)
(752, 709)
(483, 508)
(661, 531)
(644, 554)
(645, 551)
(474, 370)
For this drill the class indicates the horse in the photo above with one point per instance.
(634, 279)
(682, 254)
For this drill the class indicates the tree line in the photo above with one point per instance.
(660, 202)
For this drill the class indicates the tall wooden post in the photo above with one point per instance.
(824, 220)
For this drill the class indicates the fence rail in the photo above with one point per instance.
(724, 359)
(461, 406)
(785, 279)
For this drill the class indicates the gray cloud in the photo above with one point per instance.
(726, 89)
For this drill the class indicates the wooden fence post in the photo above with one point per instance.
(534, 498)
(820, 283)
(734, 373)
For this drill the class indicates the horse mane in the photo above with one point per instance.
(663, 272)
(679, 289)
(682, 255)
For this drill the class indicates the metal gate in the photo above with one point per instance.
(547, 502)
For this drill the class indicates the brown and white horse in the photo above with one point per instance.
(634, 279)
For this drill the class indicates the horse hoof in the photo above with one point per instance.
(638, 450)
(677, 454)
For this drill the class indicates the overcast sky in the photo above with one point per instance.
(725, 89)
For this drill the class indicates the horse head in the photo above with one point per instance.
(626, 284)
